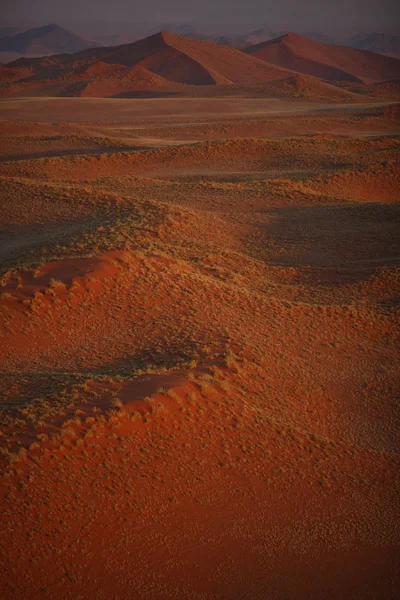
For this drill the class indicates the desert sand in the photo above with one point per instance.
(199, 358)
(169, 64)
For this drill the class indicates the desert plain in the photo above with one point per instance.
(199, 357)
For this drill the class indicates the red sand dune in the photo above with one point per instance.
(172, 63)
(166, 59)
(206, 62)
(305, 87)
(335, 63)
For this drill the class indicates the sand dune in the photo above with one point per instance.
(165, 58)
(173, 65)
(333, 63)
(199, 365)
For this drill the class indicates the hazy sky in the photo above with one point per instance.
(309, 13)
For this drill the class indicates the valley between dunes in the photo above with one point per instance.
(199, 361)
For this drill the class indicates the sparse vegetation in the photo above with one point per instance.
(191, 344)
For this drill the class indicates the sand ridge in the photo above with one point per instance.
(199, 371)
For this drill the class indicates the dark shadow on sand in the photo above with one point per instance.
(338, 243)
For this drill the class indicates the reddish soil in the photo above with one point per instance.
(199, 366)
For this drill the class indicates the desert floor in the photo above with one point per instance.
(199, 357)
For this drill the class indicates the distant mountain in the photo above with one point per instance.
(8, 31)
(218, 39)
(47, 40)
(113, 39)
(261, 35)
(264, 34)
(332, 63)
(382, 43)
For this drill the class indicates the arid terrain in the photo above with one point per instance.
(199, 339)
(166, 64)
